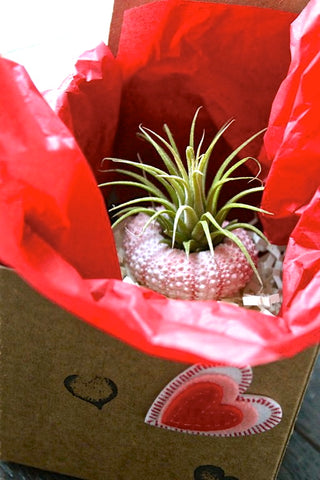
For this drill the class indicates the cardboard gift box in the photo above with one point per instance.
(52, 371)
(84, 401)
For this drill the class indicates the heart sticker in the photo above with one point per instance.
(97, 390)
(209, 400)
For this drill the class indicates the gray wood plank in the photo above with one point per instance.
(301, 462)
(308, 422)
(12, 471)
(302, 458)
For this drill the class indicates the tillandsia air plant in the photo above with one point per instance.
(177, 238)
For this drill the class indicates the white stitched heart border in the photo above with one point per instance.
(210, 400)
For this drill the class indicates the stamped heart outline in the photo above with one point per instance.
(204, 472)
(88, 385)
(268, 412)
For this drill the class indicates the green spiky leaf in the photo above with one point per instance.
(188, 211)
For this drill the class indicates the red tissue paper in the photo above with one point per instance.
(173, 57)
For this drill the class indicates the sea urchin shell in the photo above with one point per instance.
(173, 273)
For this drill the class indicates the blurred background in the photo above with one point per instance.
(48, 36)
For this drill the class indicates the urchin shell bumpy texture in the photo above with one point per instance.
(171, 272)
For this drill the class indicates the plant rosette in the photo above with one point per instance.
(178, 239)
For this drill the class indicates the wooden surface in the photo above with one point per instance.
(301, 461)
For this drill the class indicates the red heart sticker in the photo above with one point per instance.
(200, 406)
(207, 400)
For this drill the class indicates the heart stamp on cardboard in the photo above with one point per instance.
(211, 472)
(210, 400)
(95, 390)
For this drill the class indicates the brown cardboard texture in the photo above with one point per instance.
(74, 401)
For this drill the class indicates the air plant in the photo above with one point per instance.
(178, 239)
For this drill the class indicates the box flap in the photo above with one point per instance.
(121, 5)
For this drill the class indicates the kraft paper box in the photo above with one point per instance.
(47, 424)
(75, 400)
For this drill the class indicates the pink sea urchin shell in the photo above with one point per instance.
(172, 273)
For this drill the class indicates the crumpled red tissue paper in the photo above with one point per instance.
(259, 66)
